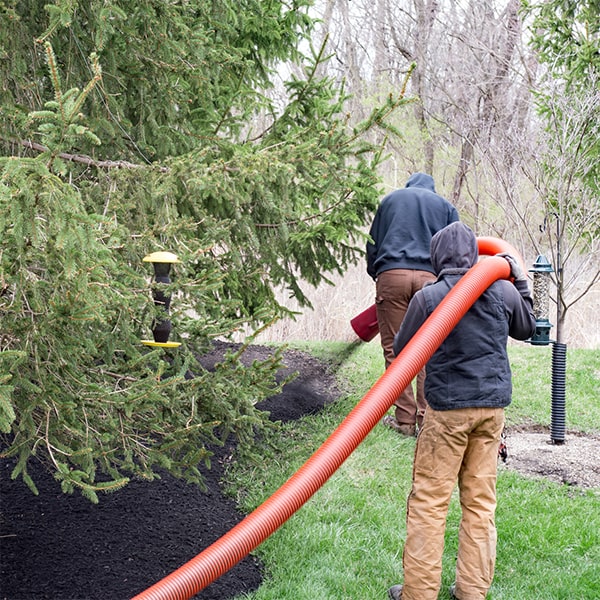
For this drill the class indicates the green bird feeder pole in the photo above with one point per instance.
(542, 271)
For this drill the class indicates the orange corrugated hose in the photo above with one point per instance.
(237, 543)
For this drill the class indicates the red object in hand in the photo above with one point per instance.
(365, 324)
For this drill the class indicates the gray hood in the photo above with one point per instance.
(454, 248)
(421, 180)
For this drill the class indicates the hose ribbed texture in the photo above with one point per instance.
(237, 543)
(559, 369)
(488, 246)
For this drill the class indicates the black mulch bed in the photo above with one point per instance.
(59, 547)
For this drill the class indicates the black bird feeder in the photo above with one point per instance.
(161, 328)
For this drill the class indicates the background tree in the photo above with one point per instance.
(566, 36)
(133, 127)
(470, 83)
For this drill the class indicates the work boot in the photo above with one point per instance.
(395, 592)
(452, 589)
(407, 430)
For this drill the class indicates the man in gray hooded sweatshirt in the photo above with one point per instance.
(399, 262)
(467, 386)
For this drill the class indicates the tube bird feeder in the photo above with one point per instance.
(161, 327)
(541, 270)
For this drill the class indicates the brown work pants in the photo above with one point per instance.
(394, 289)
(453, 445)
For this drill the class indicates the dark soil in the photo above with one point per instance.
(59, 547)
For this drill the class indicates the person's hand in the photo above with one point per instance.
(516, 272)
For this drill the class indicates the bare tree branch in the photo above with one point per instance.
(86, 160)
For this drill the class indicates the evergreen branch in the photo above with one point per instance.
(227, 109)
(107, 486)
(118, 376)
(379, 115)
(318, 59)
(87, 160)
(55, 75)
(88, 88)
(304, 219)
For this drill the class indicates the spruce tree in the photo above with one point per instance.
(129, 128)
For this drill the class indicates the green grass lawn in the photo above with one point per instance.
(346, 542)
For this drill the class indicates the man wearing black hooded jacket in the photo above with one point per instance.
(467, 386)
(399, 262)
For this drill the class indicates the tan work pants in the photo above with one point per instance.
(394, 289)
(453, 445)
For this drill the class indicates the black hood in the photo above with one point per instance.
(454, 247)
(421, 180)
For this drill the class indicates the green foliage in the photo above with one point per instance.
(251, 189)
(78, 389)
(566, 36)
(59, 125)
(172, 70)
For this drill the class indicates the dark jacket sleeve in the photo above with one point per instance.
(416, 315)
(453, 217)
(519, 306)
(372, 246)
(371, 255)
